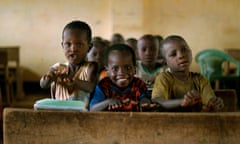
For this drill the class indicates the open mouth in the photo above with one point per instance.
(184, 63)
(73, 56)
(122, 82)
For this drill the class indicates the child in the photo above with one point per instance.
(132, 42)
(147, 66)
(96, 54)
(159, 38)
(120, 91)
(116, 38)
(76, 78)
(179, 89)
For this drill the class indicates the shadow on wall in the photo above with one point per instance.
(29, 76)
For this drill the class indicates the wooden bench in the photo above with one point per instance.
(229, 98)
(49, 127)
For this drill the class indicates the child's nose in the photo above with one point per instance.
(74, 47)
(181, 54)
(121, 70)
(148, 52)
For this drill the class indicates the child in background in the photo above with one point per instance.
(120, 91)
(132, 42)
(76, 78)
(96, 54)
(159, 38)
(179, 89)
(116, 38)
(147, 66)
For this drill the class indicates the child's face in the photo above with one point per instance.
(147, 51)
(116, 39)
(96, 54)
(178, 56)
(75, 45)
(120, 68)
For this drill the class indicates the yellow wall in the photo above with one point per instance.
(36, 25)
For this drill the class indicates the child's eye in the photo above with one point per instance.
(173, 54)
(115, 68)
(128, 67)
(78, 45)
(144, 49)
(67, 44)
(184, 49)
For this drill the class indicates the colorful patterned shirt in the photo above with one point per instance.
(136, 91)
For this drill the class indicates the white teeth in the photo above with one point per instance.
(73, 56)
(121, 80)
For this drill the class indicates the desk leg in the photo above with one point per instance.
(19, 85)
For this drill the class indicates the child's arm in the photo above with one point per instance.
(100, 102)
(45, 81)
(92, 78)
(111, 104)
(191, 98)
(168, 104)
(48, 78)
(209, 100)
(56, 71)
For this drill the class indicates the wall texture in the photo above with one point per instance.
(36, 25)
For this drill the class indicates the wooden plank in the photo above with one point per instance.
(48, 127)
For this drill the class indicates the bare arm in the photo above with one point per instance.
(92, 78)
(47, 79)
(100, 106)
(45, 82)
(112, 103)
(168, 104)
(191, 98)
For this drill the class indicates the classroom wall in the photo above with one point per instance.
(36, 25)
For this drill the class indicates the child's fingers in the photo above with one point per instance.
(185, 102)
(125, 100)
(145, 105)
(134, 102)
(213, 101)
(219, 103)
(216, 103)
(153, 105)
(193, 94)
(116, 106)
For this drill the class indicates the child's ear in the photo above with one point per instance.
(107, 69)
(90, 46)
(62, 44)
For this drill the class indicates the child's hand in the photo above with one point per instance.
(191, 98)
(114, 103)
(56, 74)
(145, 103)
(214, 104)
(49, 76)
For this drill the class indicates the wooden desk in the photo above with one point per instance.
(49, 127)
(14, 65)
(234, 52)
